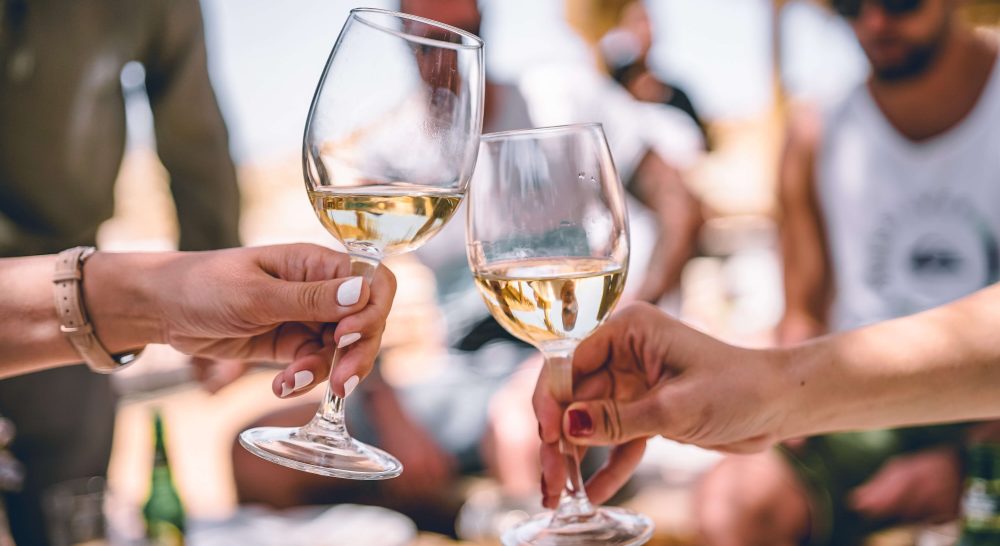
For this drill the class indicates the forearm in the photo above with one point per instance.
(191, 136)
(117, 296)
(939, 366)
(672, 251)
(661, 188)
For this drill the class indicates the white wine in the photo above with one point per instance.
(551, 302)
(390, 219)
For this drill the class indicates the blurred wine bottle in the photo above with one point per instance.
(11, 477)
(981, 502)
(163, 512)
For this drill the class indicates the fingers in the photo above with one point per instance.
(879, 497)
(310, 365)
(359, 336)
(610, 422)
(215, 374)
(314, 301)
(888, 492)
(553, 474)
(201, 368)
(612, 476)
(547, 410)
(595, 352)
(302, 262)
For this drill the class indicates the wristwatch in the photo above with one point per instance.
(73, 320)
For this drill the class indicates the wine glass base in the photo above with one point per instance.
(335, 457)
(607, 527)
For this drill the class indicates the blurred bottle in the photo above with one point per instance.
(11, 477)
(163, 512)
(981, 502)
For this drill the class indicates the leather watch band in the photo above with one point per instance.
(73, 320)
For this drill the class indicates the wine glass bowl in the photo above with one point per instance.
(388, 148)
(390, 144)
(548, 244)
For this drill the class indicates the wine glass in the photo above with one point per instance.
(390, 144)
(548, 244)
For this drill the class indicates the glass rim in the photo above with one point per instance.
(358, 15)
(516, 133)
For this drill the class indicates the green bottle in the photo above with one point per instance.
(981, 502)
(163, 512)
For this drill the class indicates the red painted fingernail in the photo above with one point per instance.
(580, 423)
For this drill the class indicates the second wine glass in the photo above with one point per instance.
(548, 244)
(390, 144)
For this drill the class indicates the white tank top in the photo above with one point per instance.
(909, 225)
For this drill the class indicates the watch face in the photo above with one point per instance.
(124, 359)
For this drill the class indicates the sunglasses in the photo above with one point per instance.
(851, 9)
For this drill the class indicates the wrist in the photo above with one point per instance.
(121, 299)
(796, 365)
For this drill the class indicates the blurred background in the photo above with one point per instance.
(741, 67)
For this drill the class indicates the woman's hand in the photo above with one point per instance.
(292, 303)
(644, 374)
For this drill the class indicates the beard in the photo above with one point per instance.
(916, 63)
(918, 60)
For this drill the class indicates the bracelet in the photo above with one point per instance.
(73, 321)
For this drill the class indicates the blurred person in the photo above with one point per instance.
(440, 428)
(887, 202)
(653, 144)
(625, 51)
(62, 137)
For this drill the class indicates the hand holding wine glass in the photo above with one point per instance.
(389, 147)
(548, 245)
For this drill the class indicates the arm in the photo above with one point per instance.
(191, 136)
(803, 244)
(939, 366)
(643, 374)
(661, 188)
(30, 339)
(288, 303)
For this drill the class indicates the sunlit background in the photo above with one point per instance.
(741, 70)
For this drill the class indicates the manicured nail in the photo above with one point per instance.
(285, 390)
(350, 385)
(347, 339)
(303, 379)
(349, 292)
(580, 423)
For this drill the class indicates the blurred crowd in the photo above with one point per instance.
(881, 205)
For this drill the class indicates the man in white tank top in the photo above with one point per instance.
(891, 203)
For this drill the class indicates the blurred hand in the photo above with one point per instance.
(795, 328)
(988, 431)
(644, 374)
(290, 303)
(922, 487)
(215, 374)
(427, 467)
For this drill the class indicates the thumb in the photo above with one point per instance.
(612, 422)
(317, 301)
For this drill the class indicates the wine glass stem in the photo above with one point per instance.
(573, 503)
(329, 421)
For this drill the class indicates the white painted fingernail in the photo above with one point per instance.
(349, 292)
(303, 379)
(347, 339)
(350, 385)
(285, 390)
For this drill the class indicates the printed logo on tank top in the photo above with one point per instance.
(933, 249)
